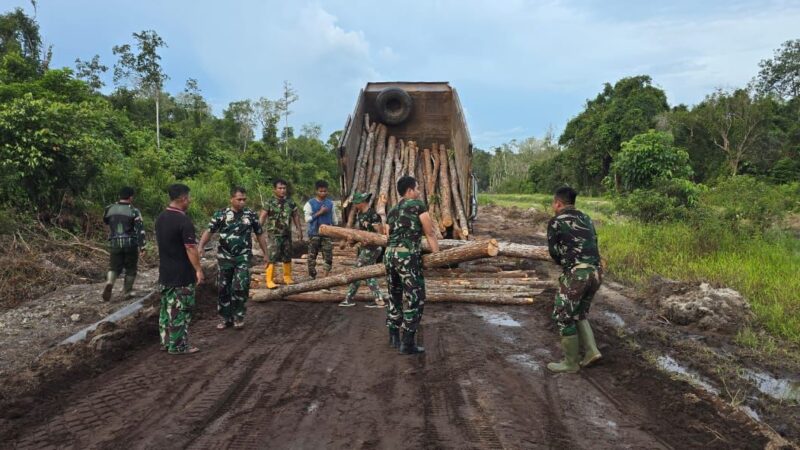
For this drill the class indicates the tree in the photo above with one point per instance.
(781, 74)
(617, 114)
(89, 71)
(268, 113)
(20, 34)
(735, 122)
(243, 115)
(191, 99)
(143, 68)
(649, 157)
(289, 96)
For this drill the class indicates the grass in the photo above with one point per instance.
(765, 269)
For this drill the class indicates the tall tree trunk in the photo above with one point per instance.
(158, 118)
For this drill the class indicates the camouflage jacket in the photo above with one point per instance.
(572, 240)
(405, 228)
(234, 232)
(125, 225)
(366, 221)
(279, 216)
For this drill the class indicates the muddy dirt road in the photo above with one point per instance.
(320, 376)
(314, 376)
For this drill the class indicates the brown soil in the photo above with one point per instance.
(319, 376)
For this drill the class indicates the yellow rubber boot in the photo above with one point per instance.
(287, 273)
(269, 276)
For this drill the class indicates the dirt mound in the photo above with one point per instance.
(710, 308)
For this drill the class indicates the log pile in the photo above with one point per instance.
(383, 158)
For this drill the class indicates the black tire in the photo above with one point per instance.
(394, 105)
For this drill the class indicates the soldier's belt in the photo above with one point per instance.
(397, 249)
(582, 266)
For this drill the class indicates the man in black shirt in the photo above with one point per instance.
(178, 271)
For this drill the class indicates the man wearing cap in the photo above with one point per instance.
(367, 220)
(407, 223)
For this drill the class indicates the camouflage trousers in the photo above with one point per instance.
(233, 285)
(279, 248)
(406, 288)
(574, 298)
(366, 257)
(315, 244)
(177, 304)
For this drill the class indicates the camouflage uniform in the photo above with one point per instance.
(403, 260)
(126, 237)
(177, 304)
(233, 257)
(367, 255)
(572, 241)
(279, 227)
(315, 245)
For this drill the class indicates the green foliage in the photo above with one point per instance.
(19, 35)
(616, 115)
(49, 149)
(747, 205)
(781, 74)
(647, 158)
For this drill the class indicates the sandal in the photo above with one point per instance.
(186, 352)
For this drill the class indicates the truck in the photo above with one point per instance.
(427, 113)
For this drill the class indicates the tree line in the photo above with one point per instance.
(629, 135)
(66, 148)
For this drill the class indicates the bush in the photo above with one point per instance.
(668, 200)
(648, 158)
(747, 204)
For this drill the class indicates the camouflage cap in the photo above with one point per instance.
(361, 197)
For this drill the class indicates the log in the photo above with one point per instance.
(433, 297)
(399, 161)
(512, 249)
(462, 218)
(412, 158)
(444, 189)
(386, 180)
(509, 249)
(362, 143)
(377, 163)
(468, 252)
(419, 175)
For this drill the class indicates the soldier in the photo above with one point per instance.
(406, 223)
(278, 214)
(319, 211)
(126, 238)
(234, 225)
(572, 242)
(178, 271)
(368, 220)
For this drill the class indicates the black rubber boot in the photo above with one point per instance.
(408, 346)
(394, 337)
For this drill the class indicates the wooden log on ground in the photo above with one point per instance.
(444, 297)
(386, 179)
(444, 189)
(509, 249)
(456, 255)
(455, 190)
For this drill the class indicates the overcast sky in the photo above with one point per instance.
(520, 66)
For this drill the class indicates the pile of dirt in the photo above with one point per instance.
(707, 307)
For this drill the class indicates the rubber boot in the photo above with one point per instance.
(269, 276)
(408, 346)
(127, 289)
(586, 336)
(394, 337)
(111, 277)
(572, 355)
(287, 273)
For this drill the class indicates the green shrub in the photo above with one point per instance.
(648, 158)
